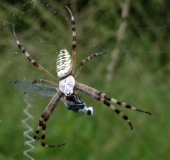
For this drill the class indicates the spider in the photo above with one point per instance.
(68, 86)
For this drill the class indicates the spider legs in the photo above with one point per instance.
(44, 118)
(45, 82)
(85, 60)
(117, 111)
(123, 104)
(74, 40)
(42, 125)
(38, 66)
(74, 46)
(105, 99)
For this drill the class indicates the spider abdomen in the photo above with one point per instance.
(64, 63)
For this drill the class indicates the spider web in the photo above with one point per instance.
(134, 70)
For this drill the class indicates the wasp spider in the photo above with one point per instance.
(68, 86)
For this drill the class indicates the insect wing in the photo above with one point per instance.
(35, 88)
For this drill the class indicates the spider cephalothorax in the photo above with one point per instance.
(68, 86)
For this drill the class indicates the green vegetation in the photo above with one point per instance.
(140, 78)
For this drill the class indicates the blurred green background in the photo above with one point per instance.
(139, 76)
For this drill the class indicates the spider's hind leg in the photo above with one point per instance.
(74, 40)
(31, 60)
(86, 60)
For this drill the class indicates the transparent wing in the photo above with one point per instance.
(35, 88)
(73, 103)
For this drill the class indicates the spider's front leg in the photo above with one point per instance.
(93, 93)
(44, 118)
(102, 97)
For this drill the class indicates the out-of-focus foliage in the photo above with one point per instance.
(141, 78)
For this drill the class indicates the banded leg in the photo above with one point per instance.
(45, 82)
(117, 111)
(85, 60)
(104, 98)
(87, 90)
(74, 41)
(44, 118)
(38, 66)
(123, 104)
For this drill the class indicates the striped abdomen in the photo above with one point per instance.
(64, 63)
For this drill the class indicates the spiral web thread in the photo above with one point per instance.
(29, 130)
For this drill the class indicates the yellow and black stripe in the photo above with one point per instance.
(64, 63)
